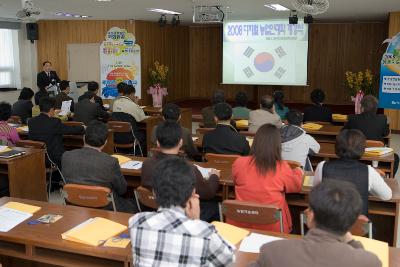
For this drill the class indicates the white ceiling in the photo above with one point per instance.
(346, 10)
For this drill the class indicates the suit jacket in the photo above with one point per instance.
(51, 130)
(373, 126)
(88, 166)
(22, 108)
(317, 113)
(86, 111)
(98, 100)
(259, 117)
(44, 80)
(317, 248)
(225, 140)
(63, 97)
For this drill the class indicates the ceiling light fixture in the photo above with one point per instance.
(293, 19)
(175, 20)
(64, 14)
(163, 20)
(277, 7)
(163, 11)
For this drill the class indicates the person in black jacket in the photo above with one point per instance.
(46, 128)
(225, 139)
(23, 107)
(47, 77)
(317, 112)
(93, 87)
(87, 110)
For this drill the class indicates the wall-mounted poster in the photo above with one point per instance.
(119, 62)
(389, 92)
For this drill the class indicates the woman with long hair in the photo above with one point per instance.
(263, 177)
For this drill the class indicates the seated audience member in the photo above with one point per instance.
(128, 103)
(296, 143)
(93, 88)
(317, 112)
(169, 140)
(241, 111)
(90, 166)
(225, 139)
(264, 178)
(373, 126)
(266, 114)
(8, 135)
(63, 96)
(208, 112)
(121, 88)
(87, 109)
(23, 107)
(350, 147)
(333, 209)
(173, 113)
(279, 105)
(39, 94)
(50, 130)
(178, 236)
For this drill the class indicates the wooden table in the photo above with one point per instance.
(28, 245)
(327, 152)
(186, 115)
(26, 174)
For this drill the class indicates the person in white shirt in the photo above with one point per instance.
(265, 114)
(296, 143)
(127, 103)
(350, 146)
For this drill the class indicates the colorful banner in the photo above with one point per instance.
(119, 62)
(389, 92)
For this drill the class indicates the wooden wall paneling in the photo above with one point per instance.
(394, 28)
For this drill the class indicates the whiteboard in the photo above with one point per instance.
(83, 62)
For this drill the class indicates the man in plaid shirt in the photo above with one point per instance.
(174, 235)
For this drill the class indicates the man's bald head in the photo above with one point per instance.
(267, 102)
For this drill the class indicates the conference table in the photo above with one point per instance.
(41, 245)
(385, 215)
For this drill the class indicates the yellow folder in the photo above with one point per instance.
(308, 181)
(4, 149)
(379, 248)
(312, 126)
(230, 233)
(339, 117)
(94, 232)
(242, 123)
(22, 207)
(121, 159)
(117, 242)
(377, 151)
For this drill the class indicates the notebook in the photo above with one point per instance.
(21, 207)
(121, 159)
(94, 232)
(132, 165)
(379, 248)
(312, 126)
(7, 154)
(377, 151)
(254, 242)
(230, 233)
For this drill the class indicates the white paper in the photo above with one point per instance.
(132, 165)
(195, 138)
(9, 218)
(3, 148)
(142, 107)
(65, 108)
(205, 172)
(254, 242)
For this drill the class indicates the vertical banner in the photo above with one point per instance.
(119, 62)
(389, 91)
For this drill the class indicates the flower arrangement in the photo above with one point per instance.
(158, 74)
(360, 81)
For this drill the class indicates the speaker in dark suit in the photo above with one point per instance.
(47, 77)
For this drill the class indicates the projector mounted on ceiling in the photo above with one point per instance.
(311, 7)
(208, 14)
(28, 10)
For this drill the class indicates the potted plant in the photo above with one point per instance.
(359, 84)
(158, 76)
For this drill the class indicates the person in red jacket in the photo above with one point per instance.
(263, 177)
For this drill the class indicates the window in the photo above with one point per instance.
(9, 59)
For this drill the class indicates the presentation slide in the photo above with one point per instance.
(270, 52)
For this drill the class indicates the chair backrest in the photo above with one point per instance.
(220, 159)
(373, 143)
(362, 227)
(202, 131)
(246, 133)
(31, 144)
(73, 123)
(120, 127)
(88, 195)
(15, 119)
(250, 212)
(146, 197)
(293, 164)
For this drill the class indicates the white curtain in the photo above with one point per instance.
(9, 61)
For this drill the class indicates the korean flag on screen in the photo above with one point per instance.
(272, 62)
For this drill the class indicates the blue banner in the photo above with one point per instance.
(389, 89)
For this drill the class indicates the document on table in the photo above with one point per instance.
(254, 242)
(9, 218)
(230, 233)
(65, 108)
(379, 248)
(205, 172)
(132, 165)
